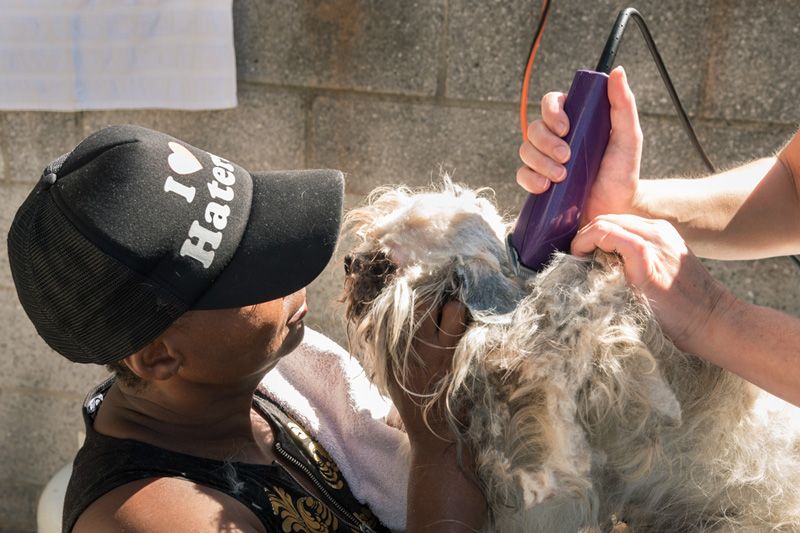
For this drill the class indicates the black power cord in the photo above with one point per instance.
(610, 53)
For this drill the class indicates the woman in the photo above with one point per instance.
(186, 274)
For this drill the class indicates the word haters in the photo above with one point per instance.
(202, 241)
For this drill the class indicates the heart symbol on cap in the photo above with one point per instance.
(182, 160)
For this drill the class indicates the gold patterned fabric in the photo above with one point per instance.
(326, 466)
(303, 512)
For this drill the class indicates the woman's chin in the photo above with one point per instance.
(293, 338)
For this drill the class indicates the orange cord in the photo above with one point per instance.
(526, 78)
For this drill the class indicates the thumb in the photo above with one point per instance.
(626, 133)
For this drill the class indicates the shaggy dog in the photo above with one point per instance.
(577, 409)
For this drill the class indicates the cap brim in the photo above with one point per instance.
(290, 237)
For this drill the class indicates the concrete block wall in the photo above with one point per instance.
(390, 92)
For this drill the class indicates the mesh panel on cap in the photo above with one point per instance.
(86, 305)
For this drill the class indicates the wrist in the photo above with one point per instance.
(430, 444)
(443, 495)
(445, 461)
(713, 341)
(641, 200)
(434, 450)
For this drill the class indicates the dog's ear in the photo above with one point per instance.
(485, 288)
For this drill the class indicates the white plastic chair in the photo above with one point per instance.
(51, 502)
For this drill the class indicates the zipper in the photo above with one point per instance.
(350, 519)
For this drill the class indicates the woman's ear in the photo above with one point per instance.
(156, 361)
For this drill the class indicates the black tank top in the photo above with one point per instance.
(269, 491)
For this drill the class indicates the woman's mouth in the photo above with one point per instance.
(299, 314)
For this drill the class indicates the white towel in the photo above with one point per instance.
(328, 392)
(68, 55)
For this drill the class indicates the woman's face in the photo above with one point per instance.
(226, 346)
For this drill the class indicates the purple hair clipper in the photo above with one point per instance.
(549, 221)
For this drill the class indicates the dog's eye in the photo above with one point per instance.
(348, 261)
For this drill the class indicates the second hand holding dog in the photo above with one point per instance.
(435, 342)
(684, 296)
(434, 461)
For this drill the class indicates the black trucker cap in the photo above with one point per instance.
(133, 228)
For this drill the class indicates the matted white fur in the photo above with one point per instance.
(577, 408)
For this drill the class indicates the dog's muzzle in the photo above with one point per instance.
(366, 276)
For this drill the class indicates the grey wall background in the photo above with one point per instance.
(390, 91)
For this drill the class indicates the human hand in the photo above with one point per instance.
(443, 492)
(435, 343)
(545, 152)
(687, 301)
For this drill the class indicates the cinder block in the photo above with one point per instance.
(11, 197)
(732, 144)
(770, 282)
(667, 151)
(343, 44)
(38, 434)
(488, 45)
(33, 139)
(381, 143)
(266, 130)
(18, 501)
(29, 363)
(755, 73)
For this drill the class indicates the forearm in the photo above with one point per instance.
(443, 497)
(759, 344)
(745, 213)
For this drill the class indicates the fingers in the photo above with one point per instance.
(541, 163)
(544, 139)
(626, 133)
(442, 327)
(416, 388)
(614, 238)
(647, 246)
(531, 181)
(428, 329)
(597, 233)
(553, 115)
(453, 324)
(545, 152)
(659, 232)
